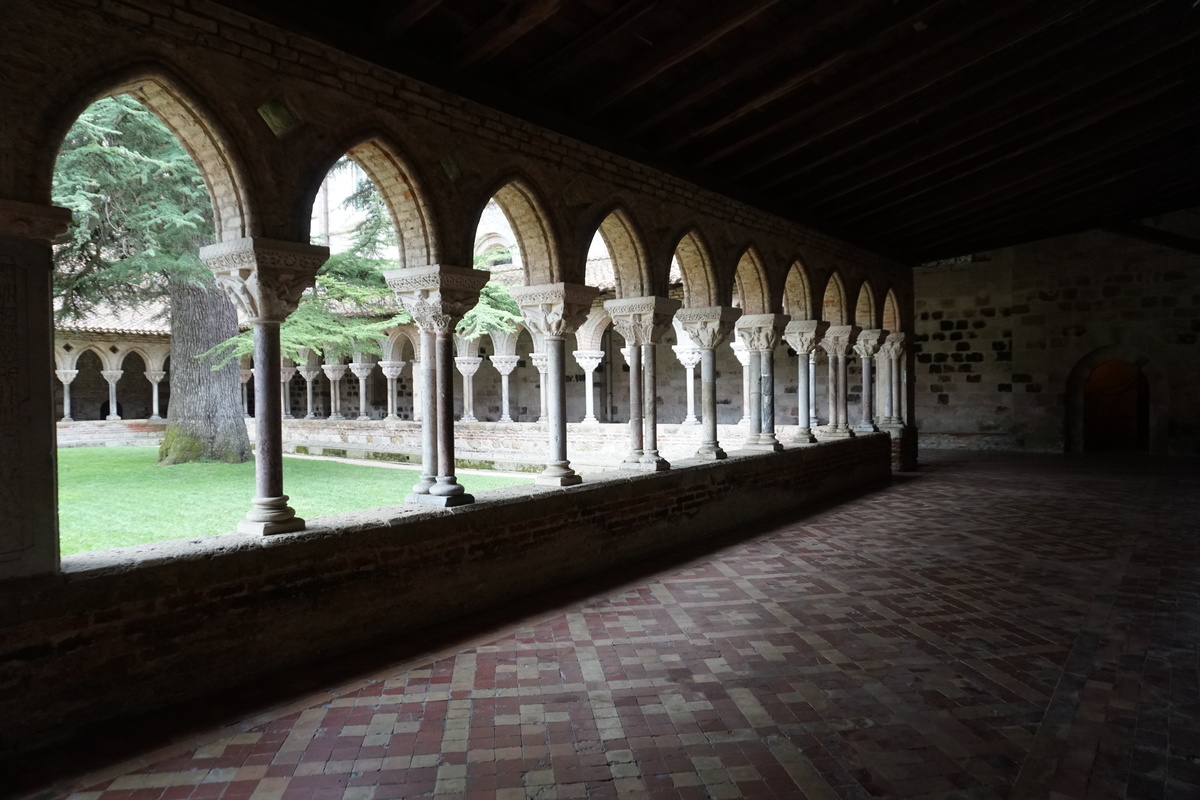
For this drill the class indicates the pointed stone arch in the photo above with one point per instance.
(751, 289)
(193, 123)
(696, 267)
(891, 313)
(864, 307)
(526, 214)
(628, 253)
(833, 304)
(590, 335)
(1158, 401)
(397, 339)
(797, 294)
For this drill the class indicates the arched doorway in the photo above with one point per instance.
(1116, 408)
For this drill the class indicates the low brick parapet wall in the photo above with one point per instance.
(111, 433)
(123, 631)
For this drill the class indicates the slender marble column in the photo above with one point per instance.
(814, 418)
(335, 372)
(246, 375)
(392, 370)
(552, 311)
(112, 376)
(362, 370)
(643, 321)
(505, 365)
(708, 327)
(743, 356)
(467, 367)
(286, 373)
(689, 357)
(309, 373)
(760, 333)
(837, 342)
(589, 360)
(155, 377)
(418, 386)
(804, 337)
(540, 360)
(865, 348)
(265, 279)
(891, 355)
(66, 376)
(437, 297)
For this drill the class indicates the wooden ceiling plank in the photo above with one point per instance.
(1154, 236)
(703, 31)
(992, 112)
(990, 41)
(555, 69)
(407, 15)
(500, 31)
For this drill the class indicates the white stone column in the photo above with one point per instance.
(891, 360)
(689, 357)
(761, 333)
(838, 341)
(335, 372)
(309, 373)
(708, 327)
(553, 311)
(286, 373)
(155, 377)
(804, 336)
(392, 370)
(362, 370)
(28, 502)
(643, 321)
(418, 386)
(112, 376)
(589, 360)
(505, 365)
(437, 297)
(865, 348)
(246, 375)
(265, 279)
(743, 357)
(66, 376)
(540, 361)
(814, 418)
(467, 367)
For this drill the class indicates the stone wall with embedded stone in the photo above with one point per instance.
(1005, 342)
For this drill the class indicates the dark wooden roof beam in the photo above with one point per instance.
(395, 24)
(1154, 236)
(557, 68)
(502, 30)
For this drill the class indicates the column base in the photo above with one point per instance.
(652, 462)
(362, 417)
(558, 473)
(270, 515)
(763, 443)
(711, 452)
(804, 436)
(336, 417)
(505, 418)
(893, 428)
(440, 501)
(288, 416)
(310, 416)
(634, 457)
(866, 427)
(115, 418)
(154, 418)
(689, 421)
(838, 433)
(67, 419)
(391, 418)
(589, 421)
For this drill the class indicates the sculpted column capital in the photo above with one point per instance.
(362, 369)
(552, 310)
(541, 361)
(708, 326)
(868, 342)
(308, 372)
(286, 374)
(803, 335)
(589, 359)
(392, 369)
(112, 375)
(642, 320)
(335, 372)
(688, 355)
(893, 345)
(761, 332)
(66, 375)
(839, 339)
(155, 375)
(467, 365)
(437, 296)
(33, 221)
(505, 364)
(264, 277)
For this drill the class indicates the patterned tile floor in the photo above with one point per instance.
(994, 626)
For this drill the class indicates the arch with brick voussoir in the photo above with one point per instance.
(526, 211)
(700, 288)
(752, 290)
(891, 313)
(626, 248)
(833, 304)
(411, 208)
(192, 121)
(797, 292)
(866, 315)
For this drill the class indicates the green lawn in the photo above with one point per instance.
(119, 496)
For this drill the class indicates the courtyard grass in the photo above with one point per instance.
(120, 496)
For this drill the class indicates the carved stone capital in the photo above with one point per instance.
(803, 335)
(437, 295)
(642, 320)
(33, 221)
(740, 352)
(66, 375)
(505, 364)
(246, 375)
(541, 361)
(155, 375)
(467, 365)
(392, 369)
(552, 310)
(708, 326)
(286, 374)
(362, 369)
(264, 277)
(839, 339)
(761, 332)
(688, 355)
(309, 373)
(867, 343)
(892, 346)
(335, 372)
(112, 375)
(588, 359)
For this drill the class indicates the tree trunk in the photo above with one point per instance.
(205, 419)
